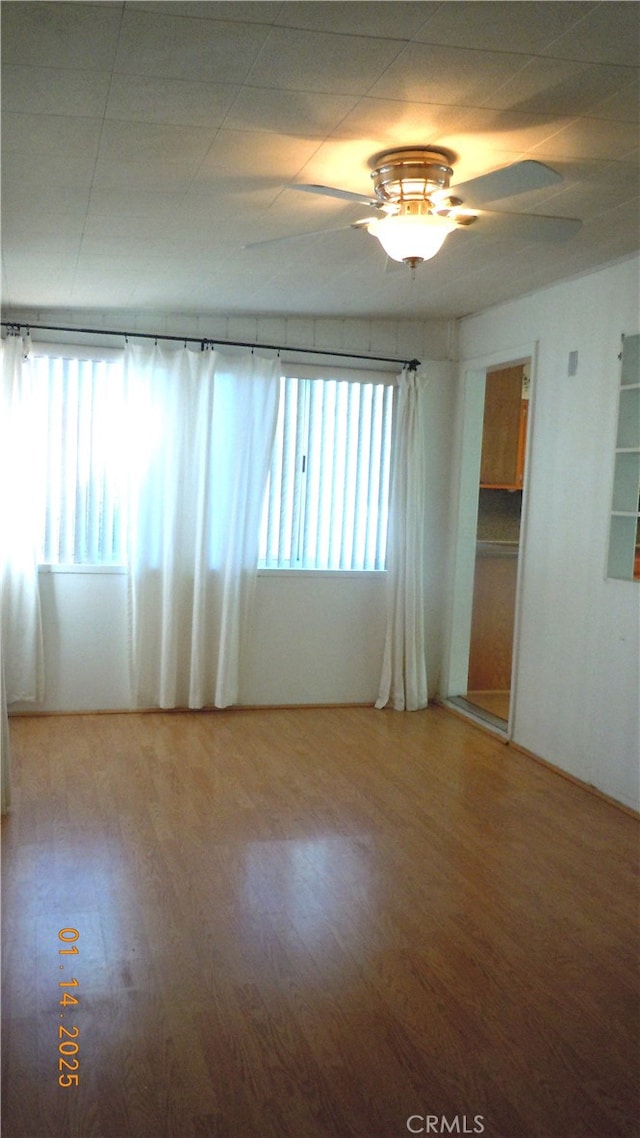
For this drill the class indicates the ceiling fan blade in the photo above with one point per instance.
(518, 178)
(332, 192)
(536, 226)
(298, 236)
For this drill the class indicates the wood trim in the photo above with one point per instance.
(500, 486)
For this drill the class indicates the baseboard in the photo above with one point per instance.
(576, 781)
(474, 719)
(40, 713)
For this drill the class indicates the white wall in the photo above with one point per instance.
(84, 615)
(577, 670)
(316, 638)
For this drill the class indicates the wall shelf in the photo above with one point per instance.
(624, 533)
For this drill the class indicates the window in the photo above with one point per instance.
(326, 505)
(78, 427)
(327, 498)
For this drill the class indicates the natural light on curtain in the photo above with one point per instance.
(195, 518)
(404, 673)
(21, 488)
(81, 420)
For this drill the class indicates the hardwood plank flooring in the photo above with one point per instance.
(313, 923)
(497, 702)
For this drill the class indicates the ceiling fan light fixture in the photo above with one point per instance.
(410, 174)
(411, 237)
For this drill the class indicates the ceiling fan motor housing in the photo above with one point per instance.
(410, 174)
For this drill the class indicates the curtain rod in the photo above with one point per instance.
(206, 340)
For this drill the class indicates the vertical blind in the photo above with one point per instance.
(328, 491)
(80, 422)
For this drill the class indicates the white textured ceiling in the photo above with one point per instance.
(144, 144)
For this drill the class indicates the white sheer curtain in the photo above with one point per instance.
(5, 752)
(21, 485)
(194, 527)
(403, 682)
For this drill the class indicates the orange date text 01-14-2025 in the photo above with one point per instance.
(68, 1061)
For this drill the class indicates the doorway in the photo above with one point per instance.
(490, 510)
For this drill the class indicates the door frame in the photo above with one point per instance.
(464, 519)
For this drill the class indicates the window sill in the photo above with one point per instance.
(332, 573)
(352, 574)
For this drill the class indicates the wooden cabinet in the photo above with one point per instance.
(504, 431)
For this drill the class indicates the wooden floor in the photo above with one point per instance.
(312, 924)
(497, 702)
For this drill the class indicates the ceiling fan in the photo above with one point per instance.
(417, 208)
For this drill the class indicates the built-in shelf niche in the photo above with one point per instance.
(624, 534)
